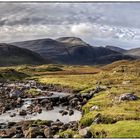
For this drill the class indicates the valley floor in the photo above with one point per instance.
(113, 112)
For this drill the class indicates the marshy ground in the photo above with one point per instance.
(108, 97)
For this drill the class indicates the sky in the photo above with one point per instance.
(99, 24)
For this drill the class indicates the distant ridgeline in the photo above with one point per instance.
(65, 50)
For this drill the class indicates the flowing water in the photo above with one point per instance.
(45, 115)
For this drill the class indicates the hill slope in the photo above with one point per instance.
(134, 52)
(71, 50)
(12, 55)
(117, 49)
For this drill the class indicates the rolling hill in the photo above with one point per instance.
(12, 55)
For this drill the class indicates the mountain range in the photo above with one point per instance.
(64, 50)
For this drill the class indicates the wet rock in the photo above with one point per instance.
(67, 108)
(85, 133)
(44, 101)
(23, 113)
(65, 104)
(55, 128)
(70, 97)
(71, 112)
(13, 115)
(49, 94)
(49, 106)
(61, 111)
(10, 124)
(128, 96)
(39, 110)
(64, 113)
(6, 108)
(15, 93)
(63, 99)
(48, 132)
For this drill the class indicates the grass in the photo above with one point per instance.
(121, 129)
(32, 91)
(86, 78)
(67, 133)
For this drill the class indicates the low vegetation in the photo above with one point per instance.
(119, 119)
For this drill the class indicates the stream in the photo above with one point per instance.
(52, 115)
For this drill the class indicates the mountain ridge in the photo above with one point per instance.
(71, 50)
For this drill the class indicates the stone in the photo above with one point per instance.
(13, 115)
(126, 82)
(32, 132)
(95, 107)
(17, 136)
(11, 132)
(15, 93)
(128, 96)
(64, 113)
(39, 111)
(39, 136)
(23, 113)
(47, 132)
(85, 133)
(61, 111)
(71, 112)
(56, 136)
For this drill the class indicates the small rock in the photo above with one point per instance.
(47, 132)
(17, 136)
(23, 113)
(71, 112)
(56, 136)
(39, 136)
(13, 115)
(126, 82)
(85, 133)
(64, 113)
(95, 107)
(61, 111)
(128, 96)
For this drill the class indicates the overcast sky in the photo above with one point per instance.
(97, 23)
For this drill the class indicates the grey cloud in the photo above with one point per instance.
(21, 21)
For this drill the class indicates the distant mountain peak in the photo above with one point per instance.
(117, 49)
(72, 40)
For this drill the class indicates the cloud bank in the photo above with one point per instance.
(97, 23)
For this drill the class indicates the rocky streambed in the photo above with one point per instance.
(53, 112)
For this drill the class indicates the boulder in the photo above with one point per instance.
(128, 96)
